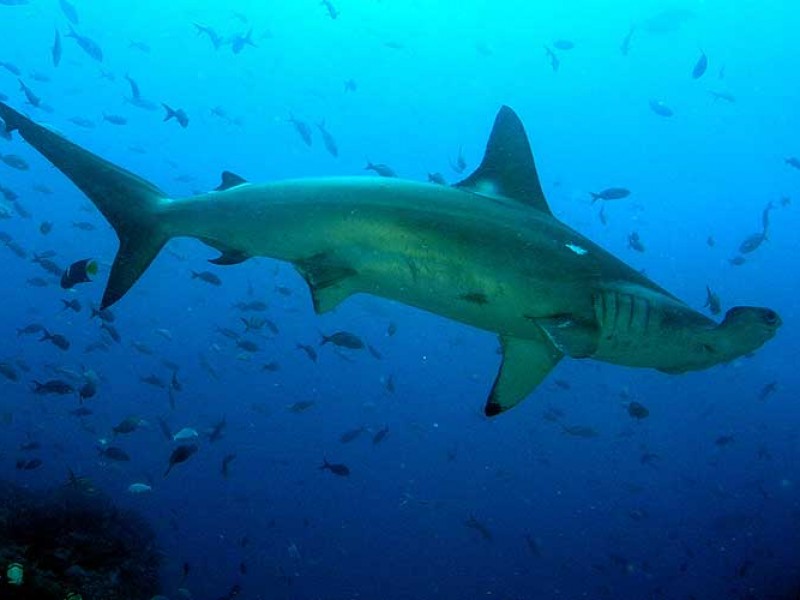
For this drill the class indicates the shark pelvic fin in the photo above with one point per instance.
(508, 169)
(327, 279)
(230, 180)
(526, 362)
(128, 202)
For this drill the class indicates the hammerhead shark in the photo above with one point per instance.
(487, 252)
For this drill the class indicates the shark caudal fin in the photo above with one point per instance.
(128, 202)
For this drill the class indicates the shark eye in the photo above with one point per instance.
(770, 317)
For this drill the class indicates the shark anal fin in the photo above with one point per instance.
(327, 279)
(508, 169)
(526, 362)
(230, 180)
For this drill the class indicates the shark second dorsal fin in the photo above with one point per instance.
(507, 168)
(230, 180)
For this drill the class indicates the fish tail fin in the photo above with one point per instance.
(171, 114)
(128, 202)
(595, 197)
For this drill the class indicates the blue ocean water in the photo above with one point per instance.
(696, 500)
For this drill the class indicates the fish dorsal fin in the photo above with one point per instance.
(507, 168)
(230, 180)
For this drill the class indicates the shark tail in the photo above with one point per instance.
(129, 203)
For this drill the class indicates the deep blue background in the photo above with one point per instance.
(704, 521)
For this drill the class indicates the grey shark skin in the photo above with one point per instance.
(486, 252)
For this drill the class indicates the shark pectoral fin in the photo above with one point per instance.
(508, 169)
(230, 180)
(572, 337)
(526, 362)
(328, 280)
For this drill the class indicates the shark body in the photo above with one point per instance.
(486, 252)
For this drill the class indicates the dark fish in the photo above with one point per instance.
(710, 241)
(74, 305)
(328, 140)
(614, 193)
(248, 345)
(111, 331)
(625, 46)
(58, 340)
(11, 68)
(20, 209)
(114, 453)
(473, 523)
(712, 302)
(207, 277)
(436, 178)
(180, 455)
(343, 339)
(271, 366)
(726, 96)
(301, 406)
(115, 119)
(638, 411)
(380, 169)
(226, 461)
(32, 98)
(86, 44)
(380, 435)
(238, 42)
(341, 470)
(83, 225)
(635, 242)
(700, 66)
(309, 350)
(460, 164)
(352, 435)
(9, 372)
(793, 161)
(104, 314)
(153, 380)
(69, 11)
(555, 62)
(30, 446)
(127, 425)
(179, 115)
(47, 264)
(78, 272)
(29, 465)
(30, 329)
(15, 162)
(57, 49)
(45, 227)
(82, 122)
(218, 430)
(213, 36)
(253, 306)
(350, 85)
(302, 128)
(53, 386)
(737, 261)
(767, 391)
(661, 109)
(581, 431)
(563, 44)
(332, 12)
(391, 329)
(724, 440)
(87, 390)
(751, 243)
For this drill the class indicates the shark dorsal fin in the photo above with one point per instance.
(507, 169)
(230, 180)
